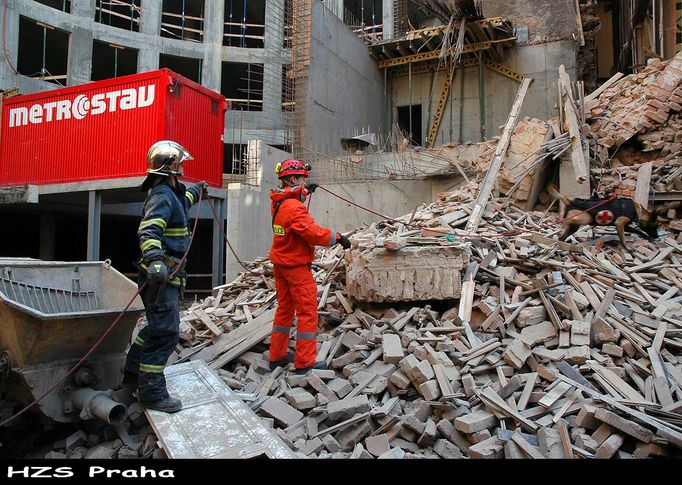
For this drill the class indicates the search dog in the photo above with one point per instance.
(598, 210)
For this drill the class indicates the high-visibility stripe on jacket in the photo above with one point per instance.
(295, 232)
(164, 229)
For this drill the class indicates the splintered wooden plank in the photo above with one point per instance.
(256, 331)
(590, 295)
(443, 381)
(673, 436)
(660, 334)
(629, 427)
(597, 92)
(344, 303)
(527, 390)
(491, 176)
(554, 395)
(490, 396)
(565, 407)
(526, 447)
(616, 382)
(604, 305)
(556, 321)
(323, 298)
(466, 302)
(206, 320)
(565, 441)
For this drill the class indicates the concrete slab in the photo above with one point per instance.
(214, 422)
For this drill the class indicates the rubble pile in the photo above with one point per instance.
(548, 350)
(637, 104)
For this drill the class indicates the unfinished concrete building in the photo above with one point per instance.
(307, 77)
(456, 319)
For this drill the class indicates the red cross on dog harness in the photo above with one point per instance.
(604, 217)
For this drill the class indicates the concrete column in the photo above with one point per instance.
(388, 17)
(80, 56)
(150, 23)
(94, 220)
(48, 227)
(273, 56)
(7, 75)
(84, 8)
(214, 13)
(150, 19)
(80, 44)
(219, 243)
(274, 25)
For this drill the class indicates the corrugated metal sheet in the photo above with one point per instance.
(213, 422)
(195, 118)
(102, 130)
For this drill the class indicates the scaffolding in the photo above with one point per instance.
(259, 91)
(119, 13)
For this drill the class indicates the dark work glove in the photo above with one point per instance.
(344, 242)
(310, 187)
(203, 188)
(157, 272)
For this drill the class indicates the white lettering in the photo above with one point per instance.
(128, 99)
(63, 109)
(11, 472)
(142, 472)
(112, 96)
(36, 114)
(63, 472)
(48, 107)
(38, 472)
(18, 117)
(144, 101)
(98, 104)
(82, 106)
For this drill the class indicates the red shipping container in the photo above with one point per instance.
(102, 130)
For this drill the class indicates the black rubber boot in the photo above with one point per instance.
(317, 365)
(282, 362)
(129, 382)
(167, 405)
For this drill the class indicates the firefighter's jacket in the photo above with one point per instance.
(164, 230)
(295, 232)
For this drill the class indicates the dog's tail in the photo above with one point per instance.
(552, 190)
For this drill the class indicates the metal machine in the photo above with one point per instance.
(51, 314)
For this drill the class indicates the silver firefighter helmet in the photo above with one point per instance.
(165, 157)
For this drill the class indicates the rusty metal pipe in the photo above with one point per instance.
(98, 404)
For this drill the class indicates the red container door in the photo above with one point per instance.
(195, 118)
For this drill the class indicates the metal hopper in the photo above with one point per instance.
(51, 314)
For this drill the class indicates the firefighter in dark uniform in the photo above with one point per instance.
(164, 237)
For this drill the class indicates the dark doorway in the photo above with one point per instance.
(411, 126)
(112, 60)
(43, 51)
(185, 66)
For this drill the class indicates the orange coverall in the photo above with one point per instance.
(293, 249)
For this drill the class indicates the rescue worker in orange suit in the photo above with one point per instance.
(293, 249)
(164, 238)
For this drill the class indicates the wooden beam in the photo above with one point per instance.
(643, 185)
(496, 163)
(580, 164)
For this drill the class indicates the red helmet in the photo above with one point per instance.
(291, 167)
